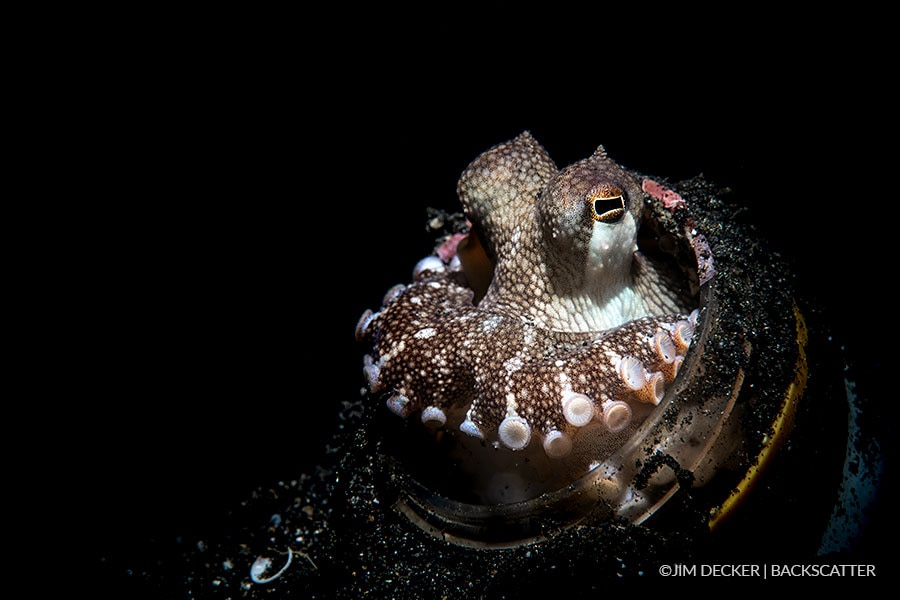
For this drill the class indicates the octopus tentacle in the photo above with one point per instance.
(437, 355)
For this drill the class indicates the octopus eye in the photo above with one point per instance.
(608, 204)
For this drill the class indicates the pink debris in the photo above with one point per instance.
(670, 199)
(447, 250)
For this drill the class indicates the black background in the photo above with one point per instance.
(255, 188)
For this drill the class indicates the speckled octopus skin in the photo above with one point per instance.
(576, 326)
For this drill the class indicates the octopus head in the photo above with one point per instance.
(590, 213)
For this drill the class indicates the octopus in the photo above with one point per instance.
(545, 320)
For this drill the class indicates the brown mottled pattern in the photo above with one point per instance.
(552, 323)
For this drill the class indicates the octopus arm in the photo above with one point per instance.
(621, 373)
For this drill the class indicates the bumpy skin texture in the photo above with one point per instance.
(575, 326)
